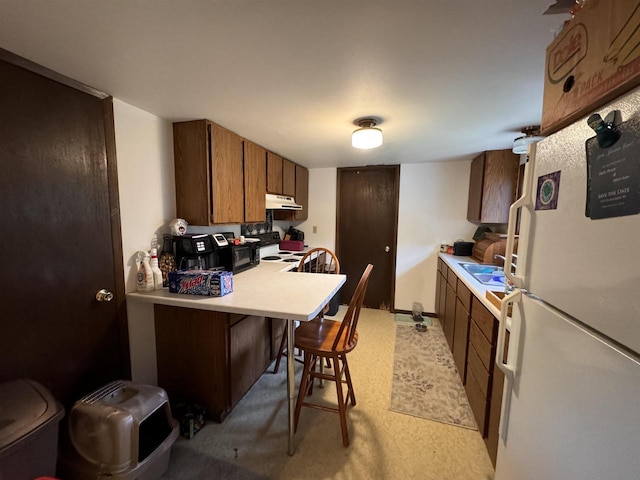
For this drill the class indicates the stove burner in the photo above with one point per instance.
(272, 257)
(284, 253)
(300, 254)
(291, 260)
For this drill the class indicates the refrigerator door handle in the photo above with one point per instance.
(508, 367)
(524, 200)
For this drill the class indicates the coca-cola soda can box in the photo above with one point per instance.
(201, 282)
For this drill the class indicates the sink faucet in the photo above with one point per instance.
(513, 265)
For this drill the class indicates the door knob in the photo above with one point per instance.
(104, 295)
(387, 248)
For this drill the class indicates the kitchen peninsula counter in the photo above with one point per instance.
(268, 290)
(212, 349)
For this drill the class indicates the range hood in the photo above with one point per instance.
(281, 202)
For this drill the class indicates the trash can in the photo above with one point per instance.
(122, 431)
(29, 418)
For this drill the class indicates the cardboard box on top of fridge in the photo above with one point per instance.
(594, 59)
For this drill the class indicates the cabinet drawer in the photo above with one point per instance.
(464, 295)
(480, 372)
(477, 402)
(483, 318)
(440, 264)
(452, 278)
(481, 344)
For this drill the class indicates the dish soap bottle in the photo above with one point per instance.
(157, 274)
(145, 274)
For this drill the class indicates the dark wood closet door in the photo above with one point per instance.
(367, 231)
(57, 241)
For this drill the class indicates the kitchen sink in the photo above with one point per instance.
(485, 274)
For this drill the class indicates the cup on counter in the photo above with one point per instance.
(242, 239)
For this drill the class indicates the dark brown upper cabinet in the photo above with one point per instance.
(492, 186)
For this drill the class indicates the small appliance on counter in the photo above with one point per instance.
(195, 251)
(294, 234)
(485, 250)
(463, 249)
(217, 251)
(293, 240)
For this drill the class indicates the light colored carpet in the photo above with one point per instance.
(425, 379)
(251, 443)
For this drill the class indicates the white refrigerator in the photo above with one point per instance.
(571, 400)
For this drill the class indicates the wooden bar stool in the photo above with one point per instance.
(316, 260)
(331, 340)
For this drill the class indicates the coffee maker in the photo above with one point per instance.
(195, 251)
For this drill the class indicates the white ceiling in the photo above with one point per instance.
(447, 78)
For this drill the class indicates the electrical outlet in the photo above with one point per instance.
(315, 229)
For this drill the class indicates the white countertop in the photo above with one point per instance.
(477, 288)
(265, 290)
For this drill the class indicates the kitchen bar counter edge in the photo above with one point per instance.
(267, 290)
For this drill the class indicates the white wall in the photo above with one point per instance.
(433, 210)
(322, 209)
(144, 149)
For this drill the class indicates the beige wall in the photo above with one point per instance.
(144, 149)
(433, 210)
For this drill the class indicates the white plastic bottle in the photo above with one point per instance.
(155, 268)
(145, 274)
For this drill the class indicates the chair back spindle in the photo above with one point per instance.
(349, 324)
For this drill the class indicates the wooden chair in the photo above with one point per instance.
(316, 260)
(332, 341)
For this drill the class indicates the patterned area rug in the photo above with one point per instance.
(425, 380)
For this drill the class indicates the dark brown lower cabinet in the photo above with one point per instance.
(493, 433)
(210, 358)
(461, 330)
(449, 314)
(471, 331)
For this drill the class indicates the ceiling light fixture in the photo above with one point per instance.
(366, 136)
(531, 135)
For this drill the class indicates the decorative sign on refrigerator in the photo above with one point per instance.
(613, 174)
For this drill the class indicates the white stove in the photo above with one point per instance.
(273, 253)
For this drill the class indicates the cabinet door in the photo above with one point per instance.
(461, 339)
(438, 290)
(255, 182)
(192, 172)
(450, 315)
(499, 188)
(492, 186)
(250, 349)
(302, 193)
(227, 196)
(191, 350)
(443, 294)
(288, 178)
(493, 427)
(274, 173)
(476, 181)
